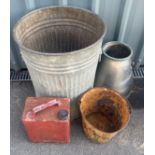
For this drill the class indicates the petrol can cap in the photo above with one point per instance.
(62, 114)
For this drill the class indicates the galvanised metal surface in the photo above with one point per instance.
(61, 47)
(124, 20)
(115, 69)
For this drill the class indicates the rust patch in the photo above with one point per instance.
(107, 117)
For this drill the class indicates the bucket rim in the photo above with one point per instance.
(107, 45)
(64, 53)
(117, 93)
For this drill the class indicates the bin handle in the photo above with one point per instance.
(100, 54)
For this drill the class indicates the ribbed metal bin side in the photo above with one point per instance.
(65, 84)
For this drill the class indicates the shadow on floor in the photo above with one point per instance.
(137, 94)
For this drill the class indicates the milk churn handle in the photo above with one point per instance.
(45, 106)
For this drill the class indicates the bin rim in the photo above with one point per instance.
(63, 53)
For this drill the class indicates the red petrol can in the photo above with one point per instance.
(47, 119)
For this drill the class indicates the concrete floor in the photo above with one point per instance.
(128, 142)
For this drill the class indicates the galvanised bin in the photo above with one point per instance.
(61, 47)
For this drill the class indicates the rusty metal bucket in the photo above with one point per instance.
(61, 48)
(104, 113)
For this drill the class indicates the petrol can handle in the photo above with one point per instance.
(45, 106)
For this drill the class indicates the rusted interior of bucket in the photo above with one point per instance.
(57, 30)
(118, 51)
(104, 110)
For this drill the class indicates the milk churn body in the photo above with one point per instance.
(115, 69)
